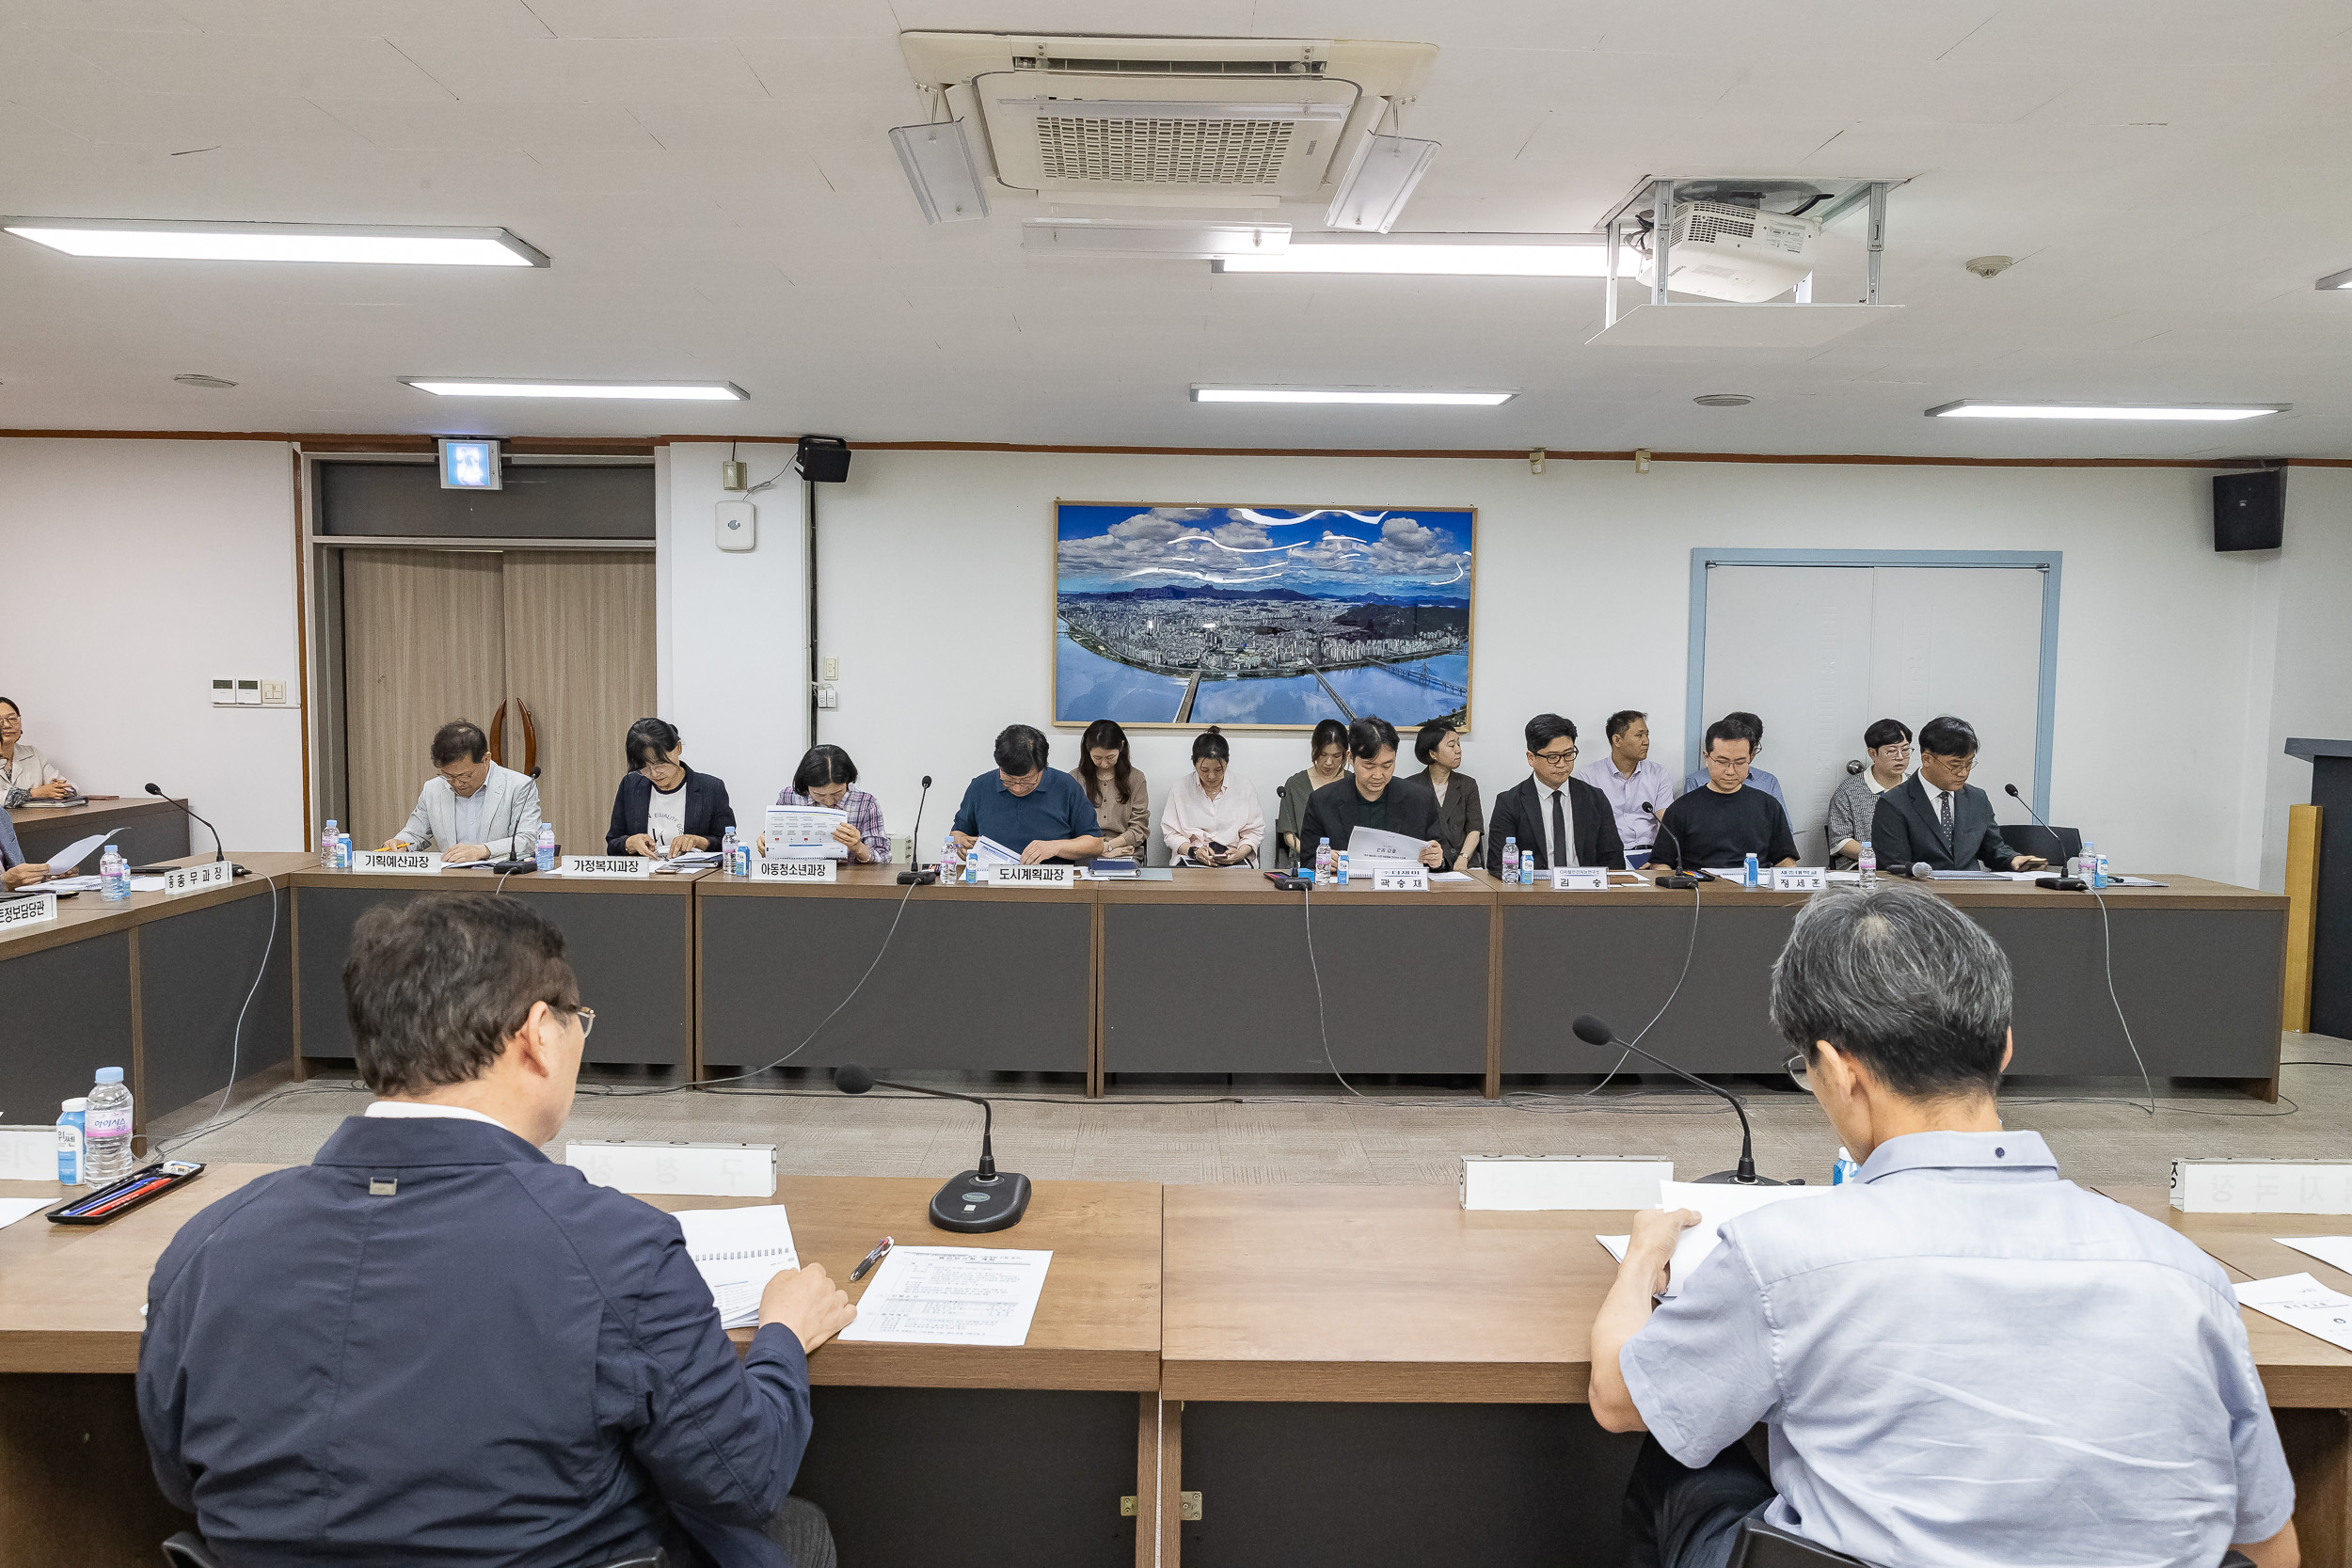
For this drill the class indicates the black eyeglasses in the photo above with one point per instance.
(1557, 759)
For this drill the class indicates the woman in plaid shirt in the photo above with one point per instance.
(823, 779)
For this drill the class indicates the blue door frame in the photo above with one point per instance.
(2048, 562)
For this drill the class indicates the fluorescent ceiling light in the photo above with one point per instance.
(1971, 409)
(1165, 239)
(2336, 280)
(278, 242)
(490, 386)
(1573, 258)
(939, 165)
(1347, 394)
(1379, 178)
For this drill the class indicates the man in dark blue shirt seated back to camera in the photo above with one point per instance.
(432, 1344)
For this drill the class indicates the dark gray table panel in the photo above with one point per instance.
(628, 949)
(1341, 1485)
(977, 1478)
(68, 1015)
(146, 837)
(2200, 986)
(196, 969)
(989, 985)
(1227, 987)
(1619, 962)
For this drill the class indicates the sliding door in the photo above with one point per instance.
(424, 641)
(579, 660)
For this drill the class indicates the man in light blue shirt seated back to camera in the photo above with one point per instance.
(1961, 1360)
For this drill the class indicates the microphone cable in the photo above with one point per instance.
(237, 1037)
(1307, 903)
(2107, 953)
(1689, 951)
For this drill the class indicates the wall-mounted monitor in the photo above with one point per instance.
(470, 465)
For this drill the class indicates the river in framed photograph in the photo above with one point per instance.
(1261, 617)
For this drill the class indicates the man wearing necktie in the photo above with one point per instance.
(1559, 820)
(1938, 817)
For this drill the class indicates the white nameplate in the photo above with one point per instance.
(1562, 1181)
(791, 870)
(405, 863)
(1399, 878)
(703, 1171)
(2261, 1186)
(35, 911)
(606, 865)
(1579, 879)
(181, 880)
(1030, 876)
(29, 1154)
(1799, 879)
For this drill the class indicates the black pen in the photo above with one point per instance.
(867, 1263)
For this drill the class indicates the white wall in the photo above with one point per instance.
(936, 591)
(2304, 668)
(137, 571)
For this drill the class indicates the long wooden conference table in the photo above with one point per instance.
(148, 828)
(1222, 1375)
(1206, 972)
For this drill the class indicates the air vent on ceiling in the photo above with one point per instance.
(1188, 123)
(1705, 221)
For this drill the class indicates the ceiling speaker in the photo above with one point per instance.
(2249, 509)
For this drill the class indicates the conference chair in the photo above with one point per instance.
(2056, 845)
(1762, 1545)
(188, 1550)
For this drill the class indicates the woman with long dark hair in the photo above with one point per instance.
(1121, 794)
(1213, 816)
(1326, 754)
(823, 779)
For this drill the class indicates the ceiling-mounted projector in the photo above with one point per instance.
(1722, 251)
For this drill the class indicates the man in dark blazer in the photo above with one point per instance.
(1937, 816)
(1526, 810)
(1372, 797)
(432, 1343)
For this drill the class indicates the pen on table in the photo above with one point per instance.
(867, 1263)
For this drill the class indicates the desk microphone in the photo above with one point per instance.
(218, 853)
(977, 1200)
(914, 875)
(1680, 877)
(1921, 872)
(1598, 1033)
(1594, 1031)
(2058, 881)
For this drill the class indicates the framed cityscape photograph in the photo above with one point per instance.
(1261, 617)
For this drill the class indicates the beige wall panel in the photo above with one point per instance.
(579, 650)
(423, 643)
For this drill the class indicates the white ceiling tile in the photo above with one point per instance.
(286, 66)
(584, 70)
(710, 19)
(361, 18)
(185, 124)
(460, 126)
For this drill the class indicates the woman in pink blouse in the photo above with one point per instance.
(1213, 815)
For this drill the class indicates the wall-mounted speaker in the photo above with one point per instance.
(2249, 509)
(822, 459)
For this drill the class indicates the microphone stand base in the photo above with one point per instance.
(974, 1205)
(1731, 1178)
(917, 878)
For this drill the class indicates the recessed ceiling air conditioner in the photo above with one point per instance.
(1171, 122)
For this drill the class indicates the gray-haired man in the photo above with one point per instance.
(1961, 1360)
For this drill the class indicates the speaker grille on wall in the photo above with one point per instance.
(2249, 509)
(822, 459)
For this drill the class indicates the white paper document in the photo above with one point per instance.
(739, 1251)
(146, 885)
(987, 852)
(74, 854)
(942, 1295)
(67, 884)
(1367, 844)
(1617, 1246)
(2334, 1251)
(1715, 1204)
(2302, 1302)
(15, 1209)
(806, 832)
(1449, 876)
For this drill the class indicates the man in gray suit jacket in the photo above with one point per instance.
(1938, 817)
(471, 809)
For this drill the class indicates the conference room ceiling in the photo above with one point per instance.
(713, 183)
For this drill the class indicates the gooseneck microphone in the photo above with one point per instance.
(218, 853)
(1596, 1031)
(1921, 872)
(914, 875)
(1679, 877)
(977, 1200)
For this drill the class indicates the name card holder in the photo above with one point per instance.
(403, 863)
(676, 1169)
(1029, 875)
(29, 1154)
(184, 879)
(1400, 879)
(1579, 879)
(619, 867)
(1800, 878)
(794, 869)
(39, 909)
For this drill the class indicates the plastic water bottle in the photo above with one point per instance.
(1747, 870)
(546, 851)
(114, 877)
(342, 853)
(69, 1141)
(327, 844)
(739, 854)
(2095, 865)
(107, 1131)
(726, 854)
(1510, 860)
(1869, 865)
(1340, 861)
(950, 860)
(1527, 869)
(1327, 862)
(1845, 1170)
(971, 869)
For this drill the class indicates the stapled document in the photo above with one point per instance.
(938, 1295)
(2304, 1302)
(1715, 1204)
(739, 1251)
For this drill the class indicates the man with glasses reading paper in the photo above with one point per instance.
(1938, 817)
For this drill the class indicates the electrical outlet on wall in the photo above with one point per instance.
(273, 693)
(832, 668)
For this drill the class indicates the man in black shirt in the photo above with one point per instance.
(1372, 797)
(1728, 819)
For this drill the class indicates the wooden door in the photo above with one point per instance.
(423, 643)
(579, 653)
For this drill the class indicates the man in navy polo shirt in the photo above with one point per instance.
(1039, 813)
